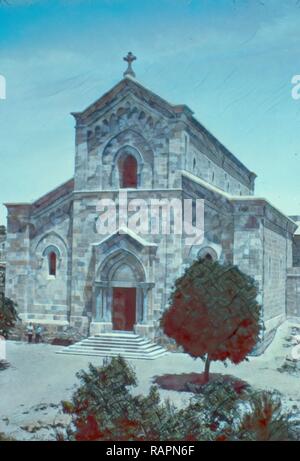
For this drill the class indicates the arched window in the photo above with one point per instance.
(52, 263)
(128, 171)
(208, 254)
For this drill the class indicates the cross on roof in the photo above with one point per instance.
(129, 59)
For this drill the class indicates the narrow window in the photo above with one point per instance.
(52, 263)
(128, 172)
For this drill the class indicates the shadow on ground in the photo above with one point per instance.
(195, 382)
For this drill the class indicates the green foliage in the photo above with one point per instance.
(8, 315)
(104, 408)
(242, 414)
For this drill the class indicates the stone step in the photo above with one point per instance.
(108, 343)
(127, 345)
(126, 355)
(119, 339)
(118, 346)
(116, 349)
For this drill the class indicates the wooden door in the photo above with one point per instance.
(124, 308)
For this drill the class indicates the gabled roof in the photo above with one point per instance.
(47, 199)
(129, 84)
(126, 232)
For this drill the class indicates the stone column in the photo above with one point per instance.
(144, 305)
(99, 304)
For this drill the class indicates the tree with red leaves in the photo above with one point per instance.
(214, 313)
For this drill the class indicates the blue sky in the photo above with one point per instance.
(231, 61)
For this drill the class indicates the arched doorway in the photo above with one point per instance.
(121, 292)
(124, 299)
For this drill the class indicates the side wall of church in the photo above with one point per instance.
(263, 250)
(49, 294)
(2, 258)
(40, 296)
(18, 256)
(293, 292)
(205, 160)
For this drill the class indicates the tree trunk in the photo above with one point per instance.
(206, 369)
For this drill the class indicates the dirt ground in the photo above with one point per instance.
(38, 379)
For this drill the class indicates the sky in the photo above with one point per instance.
(230, 61)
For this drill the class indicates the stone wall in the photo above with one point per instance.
(293, 292)
(2, 258)
(226, 179)
(296, 251)
(31, 229)
(263, 249)
(90, 250)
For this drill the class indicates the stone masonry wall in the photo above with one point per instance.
(2, 258)
(293, 292)
(275, 269)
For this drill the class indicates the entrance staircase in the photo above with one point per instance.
(128, 345)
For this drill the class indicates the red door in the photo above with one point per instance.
(124, 307)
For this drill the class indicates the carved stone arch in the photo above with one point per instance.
(124, 152)
(150, 122)
(98, 133)
(51, 236)
(121, 272)
(113, 122)
(116, 138)
(117, 259)
(207, 247)
(90, 140)
(51, 248)
(50, 255)
(136, 145)
(104, 128)
(133, 114)
(208, 253)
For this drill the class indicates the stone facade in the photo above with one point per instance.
(61, 271)
(293, 276)
(2, 258)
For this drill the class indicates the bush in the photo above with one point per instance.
(8, 315)
(103, 408)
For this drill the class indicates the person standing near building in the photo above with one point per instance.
(38, 333)
(29, 331)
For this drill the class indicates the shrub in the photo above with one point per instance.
(104, 408)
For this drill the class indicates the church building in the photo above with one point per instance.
(60, 270)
